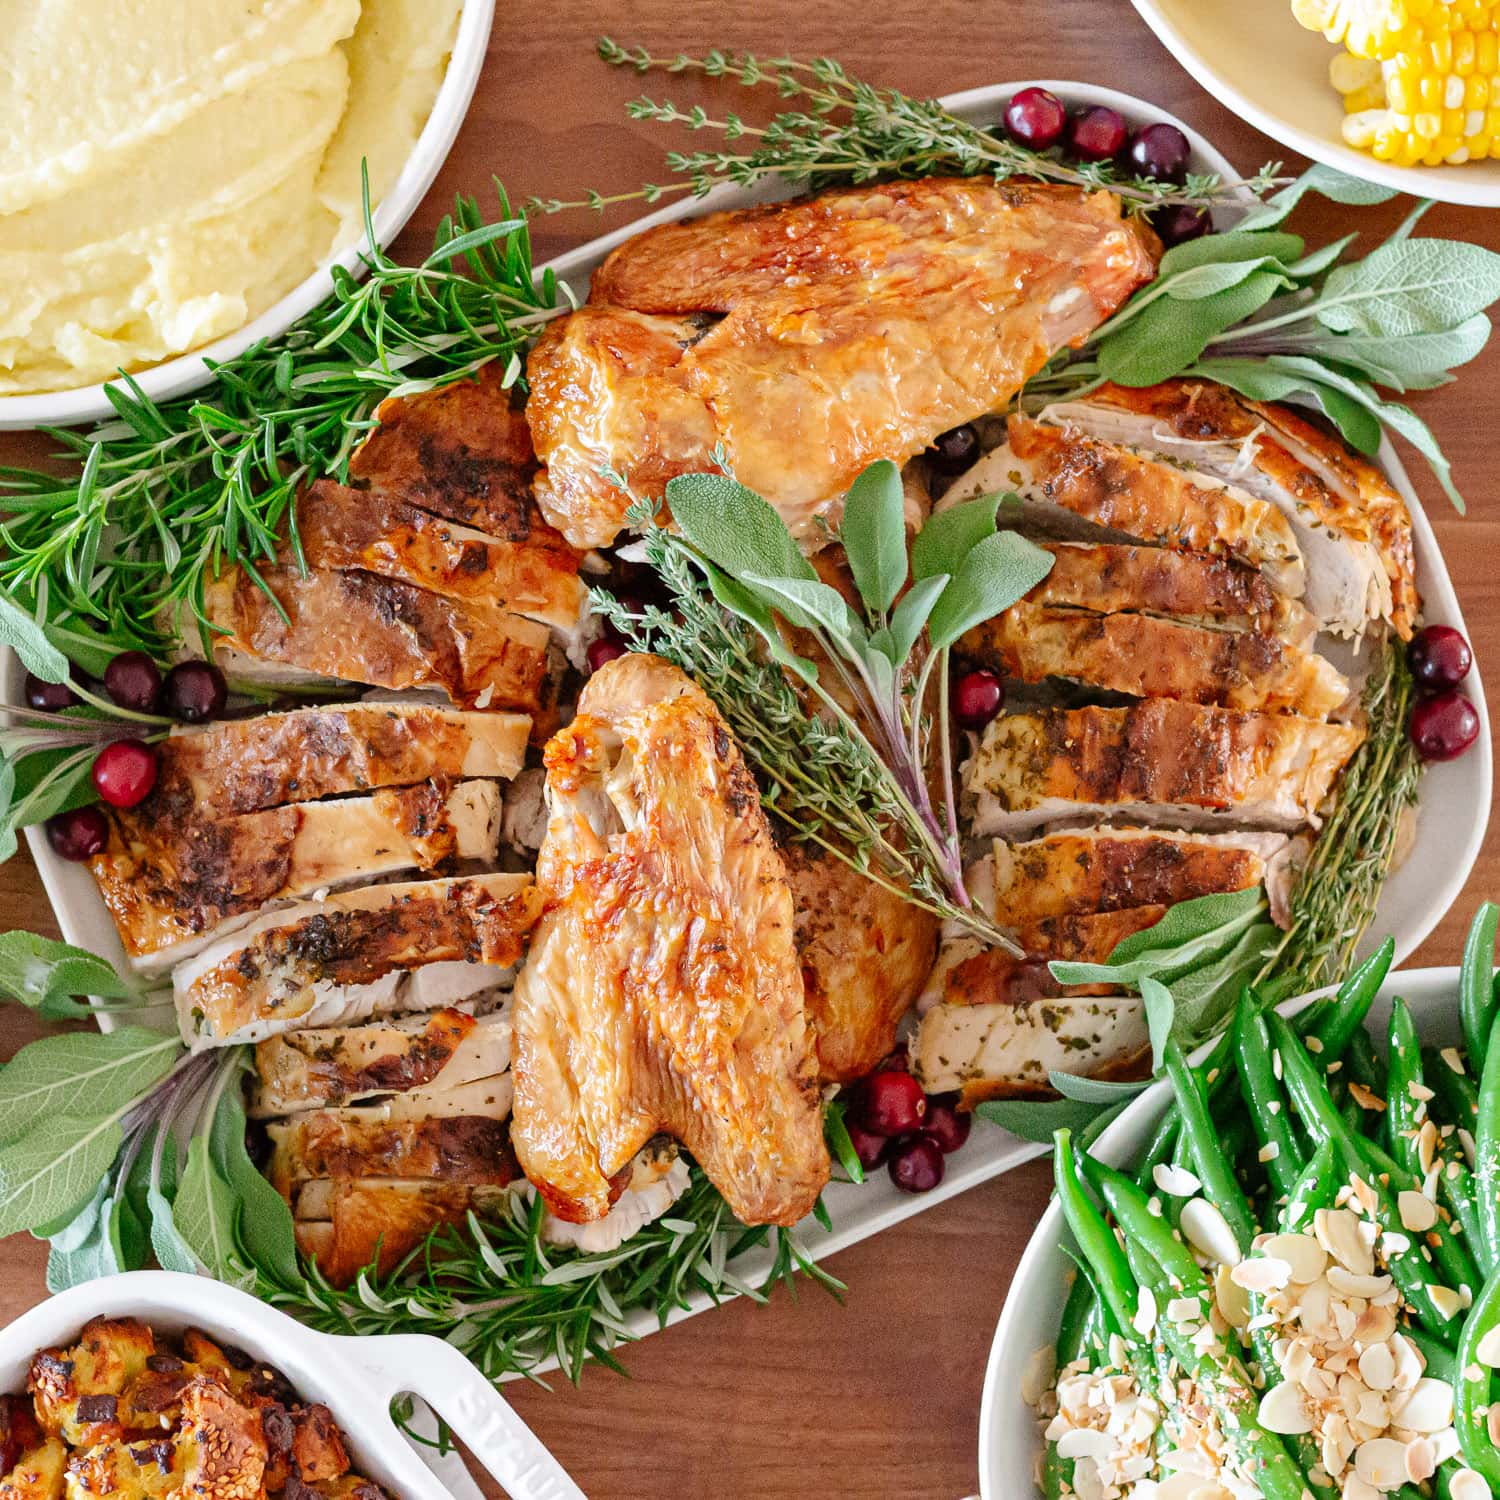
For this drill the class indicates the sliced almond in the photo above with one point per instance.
(1467, 1485)
(1350, 1284)
(1418, 1212)
(1037, 1374)
(1421, 1459)
(1145, 1312)
(1487, 1352)
(1232, 1300)
(1446, 1301)
(1302, 1253)
(1337, 1231)
(1283, 1410)
(1175, 1182)
(1208, 1232)
(1377, 1367)
(1086, 1442)
(1381, 1462)
(1427, 1408)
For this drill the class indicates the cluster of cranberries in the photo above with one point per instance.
(892, 1121)
(1444, 723)
(124, 771)
(1038, 119)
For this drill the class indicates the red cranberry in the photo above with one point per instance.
(1160, 151)
(916, 1164)
(1440, 658)
(195, 691)
(633, 604)
(955, 450)
(603, 651)
(893, 1103)
(977, 698)
(124, 772)
(1036, 118)
(48, 697)
(944, 1124)
(133, 681)
(79, 834)
(1180, 222)
(1097, 133)
(868, 1147)
(1443, 727)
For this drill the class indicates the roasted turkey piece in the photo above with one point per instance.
(810, 338)
(662, 991)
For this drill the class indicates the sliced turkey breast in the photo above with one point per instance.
(294, 965)
(1196, 587)
(1072, 485)
(1007, 1050)
(172, 886)
(361, 627)
(1157, 761)
(1106, 869)
(247, 765)
(381, 533)
(327, 1067)
(1146, 656)
(1353, 529)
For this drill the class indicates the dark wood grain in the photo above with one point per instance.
(877, 1396)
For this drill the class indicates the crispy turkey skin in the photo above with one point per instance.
(663, 990)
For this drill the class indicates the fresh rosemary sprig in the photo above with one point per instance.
(1338, 890)
(172, 492)
(494, 1291)
(846, 130)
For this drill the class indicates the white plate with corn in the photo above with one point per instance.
(1402, 92)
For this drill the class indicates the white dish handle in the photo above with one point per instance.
(470, 1405)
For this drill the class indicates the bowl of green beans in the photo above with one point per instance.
(1170, 1267)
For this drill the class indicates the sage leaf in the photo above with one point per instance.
(1418, 361)
(1262, 380)
(1209, 280)
(92, 1256)
(109, 1070)
(997, 572)
(126, 1234)
(28, 640)
(49, 782)
(1410, 286)
(812, 604)
(35, 970)
(83, 645)
(950, 535)
(1233, 245)
(1203, 997)
(1328, 182)
(54, 1168)
(740, 601)
(69, 1233)
(1168, 336)
(873, 532)
(204, 1215)
(1161, 1017)
(1315, 262)
(266, 1233)
(1038, 1120)
(734, 528)
(910, 615)
(172, 1252)
(1095, 1090)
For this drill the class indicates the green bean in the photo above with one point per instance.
(1435, 1352)
(1472, 1390)
(1261, 1091)
(1095, 1239)
(1072, 1333)
(1313, 1190)
(1217, 1371)
(1330, 1032)
(1457, 1090)
(1476, 982)
(1487, 1148)
(1310, 1095)
(1214, 1168)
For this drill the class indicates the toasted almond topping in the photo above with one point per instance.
(1364, 1098)
(1488, 1349)
(1377, 1367)
(1446, 1301)
(1314, 1044)
(1428, 1407)
(1337, 1231)
(1466, 1484)
(1450, 1055)
(1145, 1312)
(1086, 1442)
(1283, 1410)
(1269, 1152)
(1381, 1462)
(1185, 1310)
(1208, 1231)
(1421, 1459)
(1175, 1182)
(1418, 1212)
(1037, 1374)
(1230, 1298)
(1347, 1284)
(1419, 1091)
(1262, 1273)
(1301, 1252)
(1492, 1423)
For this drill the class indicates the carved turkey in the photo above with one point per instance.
(663, 990)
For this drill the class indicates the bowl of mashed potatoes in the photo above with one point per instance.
(178, 176)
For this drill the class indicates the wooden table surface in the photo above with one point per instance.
(877, 1396)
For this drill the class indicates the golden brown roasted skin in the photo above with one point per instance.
(865, 954)
(662, 992)
(247, 765)
(463, 452)
(1147, 656)
(384, 632)
(1342, 490)
(382, 533)
(852, 325)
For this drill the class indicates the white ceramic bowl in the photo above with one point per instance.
(1009, 1441)
(356, 1378)
(1455, 797)
(1269, 70)
(186, 372)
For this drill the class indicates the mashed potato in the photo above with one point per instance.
(170, 168)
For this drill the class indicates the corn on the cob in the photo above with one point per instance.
(1420, 79)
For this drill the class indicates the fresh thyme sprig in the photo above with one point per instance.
(494, 1291)
(843, 129)
(172, 492)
